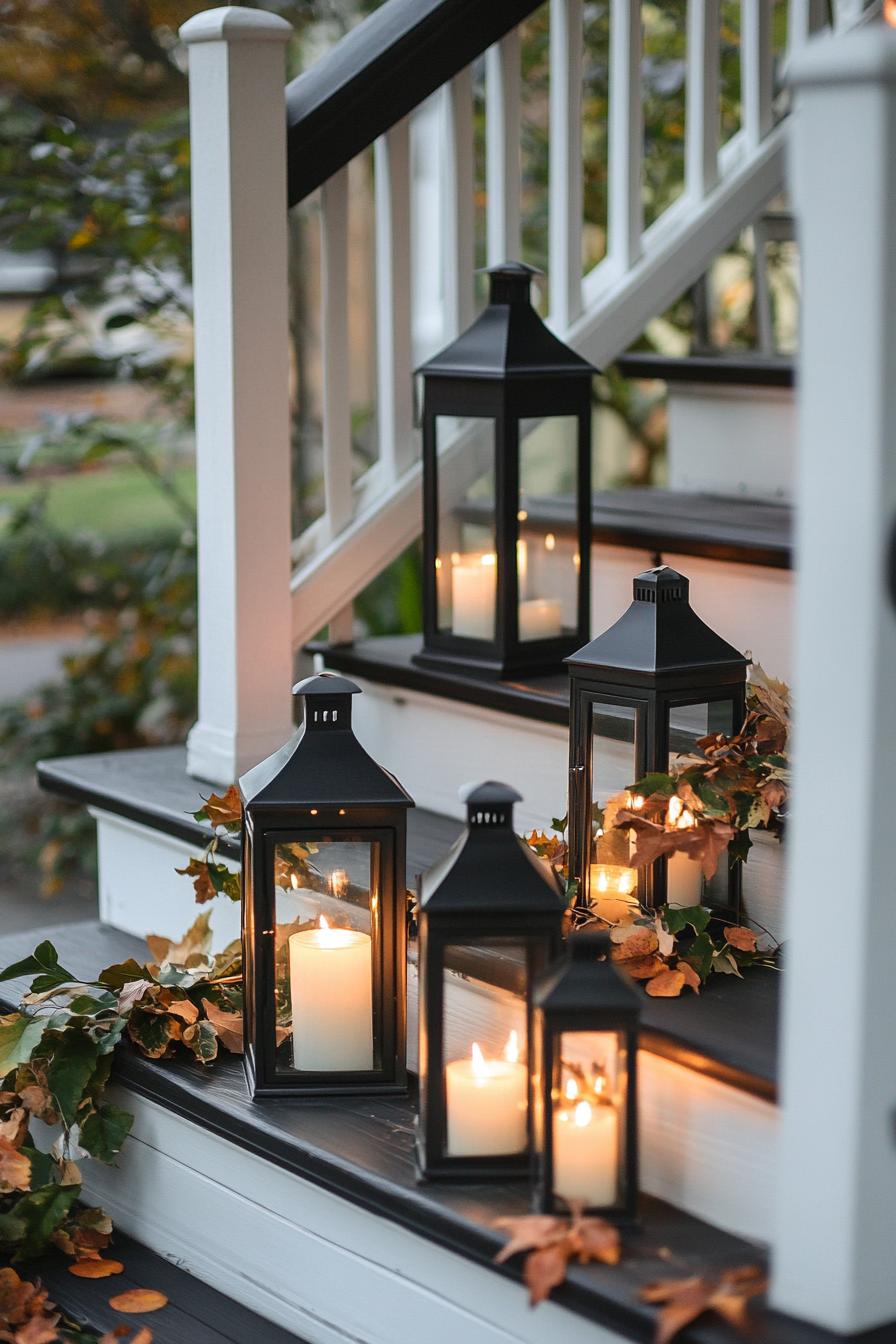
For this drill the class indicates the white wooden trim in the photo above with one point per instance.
(457, 197)
(837, 1173)
(701, 130)
(565, 185)
(394, 406)
(756, 69)
(238, 139)
(337, 422)
(804, 17)
(502, 149)
(625, 212)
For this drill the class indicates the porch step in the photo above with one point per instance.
(195, 1314)
(311, 1214)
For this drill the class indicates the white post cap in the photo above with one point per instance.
(235, 23)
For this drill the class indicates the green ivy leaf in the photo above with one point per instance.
(678, 917)
(37, 1216)
(655, 783)
(43, 962)
(202, 1039)
(19, 1038)
(43, 1168)
(104, 1131)
(559, 823)
(700, 955)
(116, 977)
(73, 1062)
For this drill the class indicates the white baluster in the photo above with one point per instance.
(394, 410)
(836, 1178)
(565, 163)
(804, 17)
(502, 149)
(337, 422)
(625, 213)
(457, 103)
(701, 131)
(238, 137)
(756, 69)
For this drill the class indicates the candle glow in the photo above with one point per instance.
(487, 1102)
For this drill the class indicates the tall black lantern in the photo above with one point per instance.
(506, 491)
(490, 921)
(641, 694)
(324, 910)
(585, 1103)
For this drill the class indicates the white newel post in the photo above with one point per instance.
(834, 1261)
(238, 139)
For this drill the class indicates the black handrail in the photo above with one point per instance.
(381, 71)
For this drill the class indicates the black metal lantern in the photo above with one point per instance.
(324, 910)
(490, 921)
(585, 1029)
(506, 453)
(641, 694)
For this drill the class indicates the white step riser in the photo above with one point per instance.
(737, 441)
(307, 1259)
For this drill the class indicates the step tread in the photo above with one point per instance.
(196, 1313)
(729, 1032)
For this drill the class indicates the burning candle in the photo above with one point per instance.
(487, 1103)
(586, 1150)
(540, 618)
(684, 878)
(331, 991)
(473, 590)
(611, 890)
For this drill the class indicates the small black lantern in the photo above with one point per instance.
(490, 921)
(585, 1028)
(324, 910)
(641, 694)
(506, 454)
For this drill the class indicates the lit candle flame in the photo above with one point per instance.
(602, 882)
(512, 1048)
(582, 1115)
(637, 802)
(338, 882)
(480, 1068)
(328, 936)
(572, 1089)
(455, 557)
(488, 558)
(295, 881)
(550, 541)
(679, 817)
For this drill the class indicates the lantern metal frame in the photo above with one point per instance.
(323, 785)
(506, 368)
(488, 889)
(584, 993)
(659, 656)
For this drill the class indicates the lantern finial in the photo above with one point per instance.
(510, 282)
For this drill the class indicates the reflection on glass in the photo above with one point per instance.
(486, 1074)
(611, 883)
(547, 566)
(325, 936)
(688, 724)
(588, 1133)
(466, 548)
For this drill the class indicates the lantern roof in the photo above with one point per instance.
(660, 634)
(582, 982)
(489, 868)
(324, 764)
(508, 339)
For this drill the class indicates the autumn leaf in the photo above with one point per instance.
(15, 1168)
(222, 809)
(666, 985)
(228, 1026)
(643, 968)
(39, 1102)
(196, 941)
(529, 1232)
(38, 1330)
(743, 939)
(596, 1239)
(95, 1269)
(665, 938)
(117, 1336)
(681, 1301)
(544, 1270)
(641, 942)
(15, 1126)
(136, 1301)
(691, 978)
(131, 994)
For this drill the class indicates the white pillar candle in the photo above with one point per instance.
(473, 595)
(331, 990)
(611, 890)
(586, 1153)
(487, 1103)
(540, 618)
(684, 880)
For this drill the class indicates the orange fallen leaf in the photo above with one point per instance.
(681, 1301)
(640, 943)
(228, 1026)
(743, 939)
(15, 1168)
(666, 985)
(643, 968)
(95, 1269)
(544, 1270)
(143, 1335)
(531, 1231)
(138, 1300)
(691, 978)
(596, 1239)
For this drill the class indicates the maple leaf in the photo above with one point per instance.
(544, 1270)
(743, 939)
(15, 1168)
(773, 792)
(196, 941)
(203, 887)
(595, 1239)
(19, 1299)
(38, 1330)
(222, 809)
(681, 1301)
(39, 1102)
(531, 1231)
(666, 985)
(228, 1026)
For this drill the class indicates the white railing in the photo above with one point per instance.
(369, 522)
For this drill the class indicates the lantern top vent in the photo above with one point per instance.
(489, 804)
(508, 339)
(660, 635)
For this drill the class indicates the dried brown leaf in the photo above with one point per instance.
(596, 1239)
(116, 1336)
(228, 1026)
(131, 993)
(95, 1269)
(15, 1168)
(666, 985)
(38, 1330)
(223, 808)
(544, 1270)
(196, 941)
(643, 968)
(641, 942)
(136, 1301)
(531, 1231)
(743, 939)
(681, 1301)
(39, 1101)
(15, 1126)
(691, 978)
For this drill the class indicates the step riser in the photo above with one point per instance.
(307, 1259)
(736, 441)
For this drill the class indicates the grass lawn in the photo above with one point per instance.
(116, 501)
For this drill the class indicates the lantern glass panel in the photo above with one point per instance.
(588, 1092)
(547, 562)
(685, 883)
(466, 544)
(327, 949)
(485, 1049)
